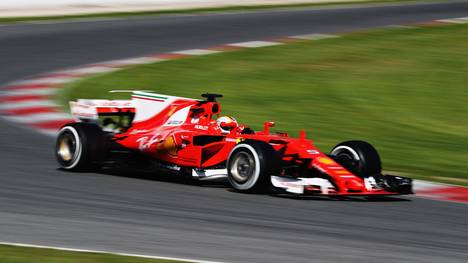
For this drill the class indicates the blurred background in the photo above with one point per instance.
(12, 8)
(391, 72)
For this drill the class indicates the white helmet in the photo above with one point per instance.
(226, 120)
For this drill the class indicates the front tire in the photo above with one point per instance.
(250, 165)
(359, 157)
(80, 146)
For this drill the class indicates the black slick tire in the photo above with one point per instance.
(359, 157)
(250, 166)
(80, 146)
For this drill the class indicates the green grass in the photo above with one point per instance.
(6, 20)
(403, 90)
(14, 254)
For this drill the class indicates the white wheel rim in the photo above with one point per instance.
(78, 150)
(242, 167)
(250, 182)
(343, 148)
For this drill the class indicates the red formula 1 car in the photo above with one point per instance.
(189, 136)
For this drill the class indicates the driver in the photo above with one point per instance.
(227, 120)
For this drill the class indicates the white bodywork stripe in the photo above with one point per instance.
(179, 117)
(213, 173)
(296, 185)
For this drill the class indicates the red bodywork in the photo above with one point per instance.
(196, 141)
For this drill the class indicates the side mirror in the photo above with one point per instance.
(267, 125)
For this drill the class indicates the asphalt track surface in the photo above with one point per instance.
(42, 205)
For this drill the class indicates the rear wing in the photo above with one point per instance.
(90, 109)
(144, 105)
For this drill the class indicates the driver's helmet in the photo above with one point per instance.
(226, 119)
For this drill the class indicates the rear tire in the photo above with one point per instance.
(80, 146)
(250, 165)
(359, 157)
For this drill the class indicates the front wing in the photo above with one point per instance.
(386, 185)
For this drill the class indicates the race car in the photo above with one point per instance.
(189, 136)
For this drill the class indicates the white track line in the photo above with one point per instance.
(107, 252)
(51, 80)
(196, 52)
(132, 61)
(459, 20)
(70, 20)
(419, 185)
(254, 44)
(87, 70)
(314, 36)
(39, 117)
(27, 104)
